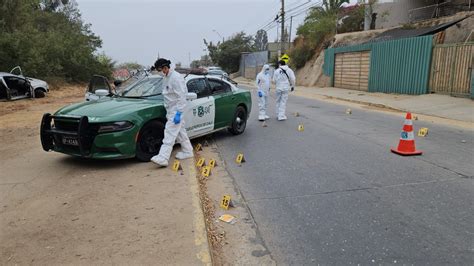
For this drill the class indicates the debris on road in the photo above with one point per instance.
(300, 127)
(349, 111)
(228, 218)
(297, 114)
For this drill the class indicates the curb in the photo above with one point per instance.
(199, 225)
(444, 120)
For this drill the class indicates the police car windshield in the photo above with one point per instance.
(151, 86)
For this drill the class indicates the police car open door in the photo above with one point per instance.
(200, 113)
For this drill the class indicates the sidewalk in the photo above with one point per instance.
(444, 106)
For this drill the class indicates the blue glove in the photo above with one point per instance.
(260, 93)
(177, 118)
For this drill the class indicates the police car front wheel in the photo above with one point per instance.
(239, 121)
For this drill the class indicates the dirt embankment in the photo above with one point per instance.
(59, 210)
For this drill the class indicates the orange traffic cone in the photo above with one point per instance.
(406, 146)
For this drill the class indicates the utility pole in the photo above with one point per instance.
(282, 25)
(289, 36)
(219, 35)
(367, 14)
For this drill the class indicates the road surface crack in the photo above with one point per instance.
(355, 190)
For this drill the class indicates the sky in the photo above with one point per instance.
(140, 30)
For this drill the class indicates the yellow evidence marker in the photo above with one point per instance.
(198, 147)
(225, 202)
(240, 158)
(201, 162)
(300, 127)
(206, 171)
(177, 166)
(423, 132)
(212, 163)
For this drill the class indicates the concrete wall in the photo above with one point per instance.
(251, 72)
(455, 34)
(395, 12)
(273, 48)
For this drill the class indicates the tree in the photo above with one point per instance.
(333, 5)
(351, 19)
(261, 40)
(227, 54)
(49, 39)
(195, 64)
(130, 65)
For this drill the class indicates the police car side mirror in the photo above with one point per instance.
(191, 96)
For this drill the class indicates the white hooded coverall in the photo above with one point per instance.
(263, 85)
(283, 84)
(174, 94)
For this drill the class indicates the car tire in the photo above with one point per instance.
(149, 140)
(39, 93)
(239, 121)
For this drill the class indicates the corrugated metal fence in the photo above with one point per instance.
(399, 66)
(451, 69)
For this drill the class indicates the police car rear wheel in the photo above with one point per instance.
(149, 140)
(239, 122)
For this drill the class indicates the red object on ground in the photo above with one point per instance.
(406, 146)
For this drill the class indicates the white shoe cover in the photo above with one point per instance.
(158, 161)
(184, 155)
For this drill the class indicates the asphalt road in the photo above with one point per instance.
(335, 194)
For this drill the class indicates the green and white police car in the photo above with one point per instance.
(131, 123)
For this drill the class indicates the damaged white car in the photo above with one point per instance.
(40, 87)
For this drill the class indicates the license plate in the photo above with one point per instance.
(70, 141)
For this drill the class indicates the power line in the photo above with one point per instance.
(291, 9)
(296, 13)
(293, 12)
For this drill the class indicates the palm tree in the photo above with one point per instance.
(333, 5)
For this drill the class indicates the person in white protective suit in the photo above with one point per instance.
(284, 79)
(263, 86)
(174, 93)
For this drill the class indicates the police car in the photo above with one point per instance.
(131, 123)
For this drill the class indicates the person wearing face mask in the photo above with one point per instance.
(284, 79)
(174, 93)
(263, 85)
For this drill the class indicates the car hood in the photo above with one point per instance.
(108, 108)
(37, 82)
